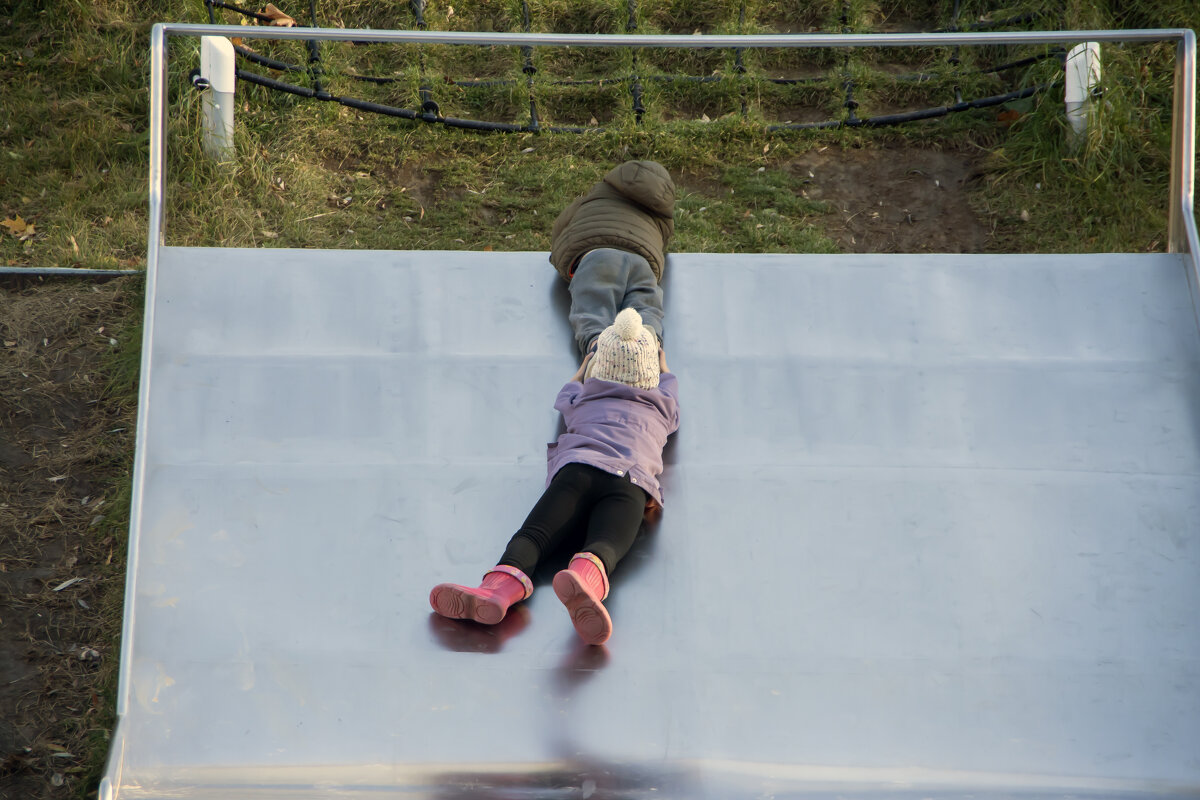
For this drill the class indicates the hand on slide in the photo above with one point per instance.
(578, 376)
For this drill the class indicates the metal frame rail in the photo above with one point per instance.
(1182, 233)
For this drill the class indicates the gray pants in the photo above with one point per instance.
(607, 281)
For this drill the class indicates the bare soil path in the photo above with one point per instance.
(63, 453)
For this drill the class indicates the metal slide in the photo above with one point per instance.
(931, 531)
(932, 524)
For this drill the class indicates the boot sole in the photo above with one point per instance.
(588, 615)
(456, 602)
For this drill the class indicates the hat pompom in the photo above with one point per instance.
(628, 325)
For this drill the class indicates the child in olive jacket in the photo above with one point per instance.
(601, 475)
(610, 246)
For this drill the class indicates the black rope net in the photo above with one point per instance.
(787, 88)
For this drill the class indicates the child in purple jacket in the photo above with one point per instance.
(602, 476)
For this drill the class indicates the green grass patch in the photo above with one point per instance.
(1106, 191)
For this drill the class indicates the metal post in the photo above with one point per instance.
(1181, 219)
(111, 782)
(1181, 225)
(219, 73)
(158, 133)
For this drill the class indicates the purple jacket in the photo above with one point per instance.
(617, 428)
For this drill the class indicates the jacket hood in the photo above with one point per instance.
(647, 183)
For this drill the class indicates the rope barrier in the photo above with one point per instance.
(739, 66)
(918, 77)
(393, 111)
(915, 116)
(528, 68)
(635, 83)
(424, 90)
(211, 4)
(851, 105)
(430, 111)
(954, 60)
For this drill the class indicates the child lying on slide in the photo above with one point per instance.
(602, 474)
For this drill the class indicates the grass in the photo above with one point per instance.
(1103, 192)
(74, 142)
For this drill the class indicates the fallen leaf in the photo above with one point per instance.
(278, 18)
(20, 228)
(1008, 117)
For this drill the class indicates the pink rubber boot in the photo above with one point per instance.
(581, 587)
(488, 603)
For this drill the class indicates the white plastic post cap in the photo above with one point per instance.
(1082, 76)
(217, 63)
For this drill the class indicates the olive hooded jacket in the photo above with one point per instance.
(632, 208)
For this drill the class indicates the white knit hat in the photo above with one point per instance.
(626, 352)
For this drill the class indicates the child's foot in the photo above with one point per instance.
(581, 588)
(459, 602)
(486, 604)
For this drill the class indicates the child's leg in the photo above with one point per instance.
(644, 293)
(562, 510)
(612, 527)
(597, 289)
(614, 522)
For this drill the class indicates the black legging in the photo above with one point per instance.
(580, 497)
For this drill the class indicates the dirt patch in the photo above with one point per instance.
(788, 113)
(888, 200)
(63, 450)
